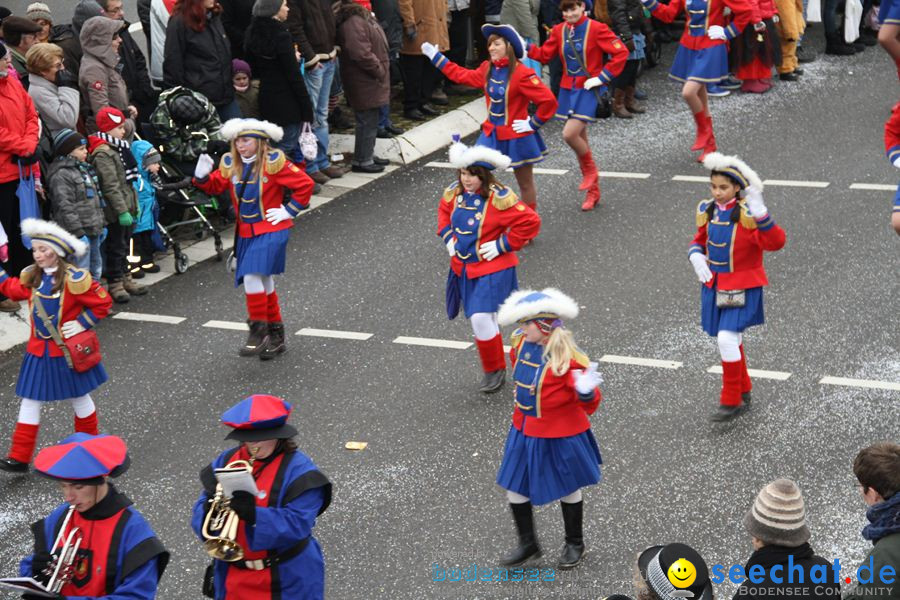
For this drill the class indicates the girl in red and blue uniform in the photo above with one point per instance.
(550, 451)
(258, 178)
(580, 43)
(734, 228)
(892, 149)
(119, 556)
(702, 55)
(281, 559)
(509, 86)
(483, 225)
(73, 303)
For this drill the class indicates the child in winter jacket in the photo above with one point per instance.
(246, 91)
(75, 199)
(148, 159)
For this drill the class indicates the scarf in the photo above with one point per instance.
(884, 519)
(124, 149)
(89, 175)
(767, 556)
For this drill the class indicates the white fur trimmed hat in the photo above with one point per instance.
(733, 167)
(462, 156)
(48, 232)
(526, 305)
(235, 128)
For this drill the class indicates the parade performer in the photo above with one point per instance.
(483, 225)
(550, 451)
(509, 86)
(64, 302)
(580, 43)
(119, 556)
(727, 255)
(889, 34)
(258, 175)
(892, 149)
(702, 55)
(281, 558)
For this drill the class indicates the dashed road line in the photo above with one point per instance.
(863, 383)
(149, 318)
(796, 183)
(537, 170)
(876, 187)
(691, 178)
(434, 343)
(232, 325)
(641, 362)
(761, 373)
(334, 333)
(623, 175)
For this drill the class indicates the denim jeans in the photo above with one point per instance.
(229, 111)
(384, 117)
(290, 143)
(366, 131)
(92, 259)
(318, 84)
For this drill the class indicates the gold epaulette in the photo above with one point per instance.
(746, 220)
(226, 165)
(28, 273)
(516, 337)
(451, 191)
(275, 160)
(502, 197)
(581, 358)
(78, 281)
(702, 217)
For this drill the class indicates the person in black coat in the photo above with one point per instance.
(777, 524)
(283, 97)
(236, 16)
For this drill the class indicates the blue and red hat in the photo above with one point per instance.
(84, 458)
(507, 32)
(259, 417)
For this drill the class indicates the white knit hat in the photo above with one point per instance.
(778, 515)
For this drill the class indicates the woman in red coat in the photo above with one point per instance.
(550, 451)
(73, 303)
(509, 86)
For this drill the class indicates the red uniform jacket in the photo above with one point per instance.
(736, 261)
(524, 87)
(599, 39)
(278, 173)
(503, 218)
(743, 12)
(558, 411)
(82, 300)
(892, 134)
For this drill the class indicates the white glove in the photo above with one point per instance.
(429, 50)
(701, 267)
(70, 328)
(277, 215)
(489, 250)
(522, 126)
(897, 161)
(716, 32)
(204, 166)
(451, 247)
(592, 83)
(755, 202)
(587, 380)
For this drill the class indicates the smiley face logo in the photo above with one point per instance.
(682, 573)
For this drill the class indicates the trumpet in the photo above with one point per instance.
(61, 567)
(220, 527)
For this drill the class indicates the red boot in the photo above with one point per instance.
(24, 439)
(89, 424)
(592, 198)
(746, 384)
(730, 404)
(589, 172)
(704, 129)
(493, 363)
(710, 144)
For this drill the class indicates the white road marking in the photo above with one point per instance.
(624, 175)
(417, 341)
(761, 373)
(233, 325)
(797, 183)
(877, 187)
(641, 362)
(136, 316)
(537, 170)
(864, 383)
(334, 333)
(691, 178)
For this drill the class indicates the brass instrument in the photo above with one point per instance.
(220, 527)
(61, 567)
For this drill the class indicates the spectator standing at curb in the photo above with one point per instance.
(99, 77)
(423, 21)
(68, 37)
(19, 35)
(40, 14)
(54, 90)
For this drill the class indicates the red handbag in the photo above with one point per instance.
(82, 350)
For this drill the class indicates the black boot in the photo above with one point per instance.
(727, 413)
(11, 465)
(574, 548)
(835, 45)
(528, 546)
(492, 382)
(746, 397)
(276, 342)
(257, 340)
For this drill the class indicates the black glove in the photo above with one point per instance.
(244, 505)
(410, 32)
(66, 79)
(217, 147)
(39, 563)
(27, 160)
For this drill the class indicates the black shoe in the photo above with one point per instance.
(745, 398)
(384, 134)
(11, 465)
(373, 168)
(837, 47)
(726, 413)
(805, 55)
(137, 273)
(528, 546)
(492, 382)
(150, 268)
(573, 551)
(276, 344)
(381, 161)
(394, 129)
(429, 110)
(257, 339)
(868, 37)
(437, 100)
(858, 45)
(792, 76)
(414, 115)
(798, 71)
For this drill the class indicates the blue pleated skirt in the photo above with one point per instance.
(262, 254)
(713, 318)
(889, 12)
(547, 469)
(49, 378)
(578, 104)
(485, 294)
(526, 150)
(709, 65)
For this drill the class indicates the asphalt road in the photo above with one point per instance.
(423, 493)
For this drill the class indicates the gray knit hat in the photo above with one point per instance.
(266, 8)
(38, 10)
(778, 515)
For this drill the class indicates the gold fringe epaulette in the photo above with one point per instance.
(275, 162)
(226, 165)
(502, 197)
(581, 358)
(26, 277)
(78, 281)
(451, 191)
(516, 337)
(746, 220)
(702, 217)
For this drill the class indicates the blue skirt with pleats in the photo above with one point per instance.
(262, 254)
(49, 378)
(708, 65)
(526, 150)
(485, 294)
(713, 318)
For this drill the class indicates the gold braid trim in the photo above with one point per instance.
(502, 197)
(702, 217)
(275, 162)
(581, 358)
(225, 165)
(451, 191)
(746, 220)
(78, 281)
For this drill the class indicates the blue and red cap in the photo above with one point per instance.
(259, 417)
(84, 458)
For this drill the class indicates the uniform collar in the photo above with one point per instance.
(728, 205)
(503, 62)
(111, 505)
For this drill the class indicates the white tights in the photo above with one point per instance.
(257, 284)
(484, 325)
(729, 345)
(515, 498)
(30, 410)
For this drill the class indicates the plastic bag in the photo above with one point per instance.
(814, 11)
(309, 144)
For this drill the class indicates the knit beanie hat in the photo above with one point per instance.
(266, 8)
(84, 11)
(67, 140)
(240, 66)
(109, 118)
(778, 515)
(38, 10)
(151, 157)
